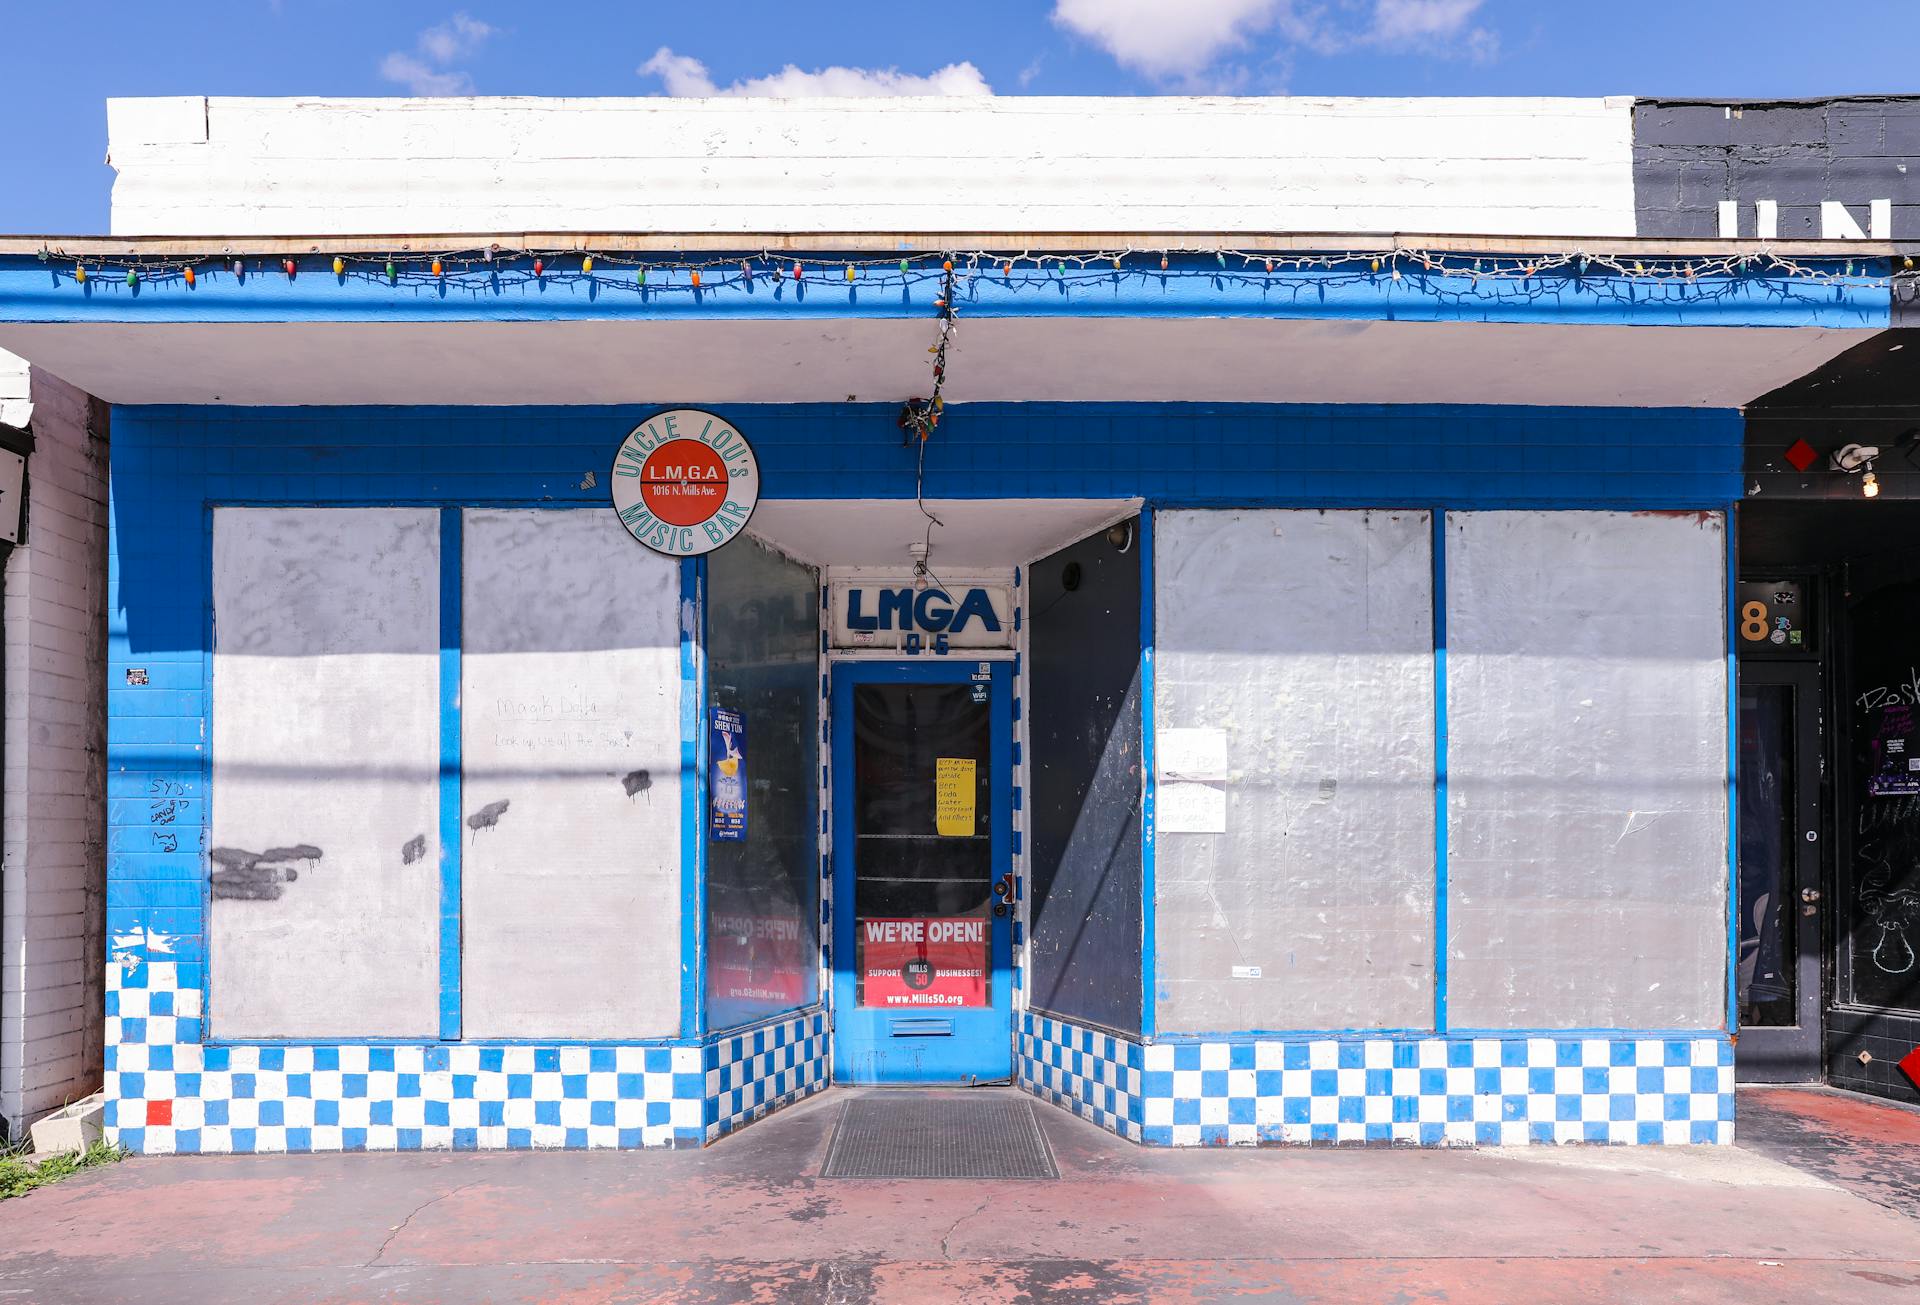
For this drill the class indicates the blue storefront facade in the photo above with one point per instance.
(1380, 791)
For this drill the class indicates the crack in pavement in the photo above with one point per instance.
(947, 1236)
(401, 1227)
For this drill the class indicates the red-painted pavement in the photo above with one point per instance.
(1818, 1206)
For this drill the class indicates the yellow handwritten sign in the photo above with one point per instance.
(953, 789)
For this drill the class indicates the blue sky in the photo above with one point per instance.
(70, 58)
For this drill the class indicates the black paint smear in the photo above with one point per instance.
(488, 816)
(256, 876)
(298, 852)
(636, 781)
(416, 847)
(244, 892)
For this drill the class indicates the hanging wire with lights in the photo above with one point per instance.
(919, 417)
(495, 268)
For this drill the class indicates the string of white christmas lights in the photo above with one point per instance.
(681, 275)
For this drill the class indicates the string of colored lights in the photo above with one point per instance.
(636, 271)
(919, 417)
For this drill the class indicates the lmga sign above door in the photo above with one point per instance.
(927, 619)
(922, 860)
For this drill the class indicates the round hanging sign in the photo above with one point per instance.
(685, 482)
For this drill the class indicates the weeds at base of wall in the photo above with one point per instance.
(18, 1175)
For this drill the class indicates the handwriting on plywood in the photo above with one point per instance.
(566, 721)
(258, 876)
(573, 705)
(541, 737)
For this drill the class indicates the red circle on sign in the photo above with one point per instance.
(683, 482)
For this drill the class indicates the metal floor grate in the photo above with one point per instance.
(920, 1134)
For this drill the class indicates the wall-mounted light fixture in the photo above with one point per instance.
(1859, 458)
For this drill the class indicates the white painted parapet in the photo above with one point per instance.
(1512, 166)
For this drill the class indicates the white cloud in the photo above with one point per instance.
(1429, 23)
(460, 35)
(1186, 42)
(679, 74)
(428, 70)
(1412, 20)
(420, 79)
(682, 74)
(1166, 40)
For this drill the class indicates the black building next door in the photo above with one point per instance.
(1778, 975)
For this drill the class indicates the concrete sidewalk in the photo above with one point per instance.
(1819, 1201)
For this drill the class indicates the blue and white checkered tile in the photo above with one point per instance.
(168, 1093)
(754, 1073)
(1418, 1091)
(1095, 1075)
(1439, 1091)
(1017, 821)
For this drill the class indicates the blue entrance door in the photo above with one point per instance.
(922, 872)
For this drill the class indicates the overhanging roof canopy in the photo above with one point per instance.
(1248, 319)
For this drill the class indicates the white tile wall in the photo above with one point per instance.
(53, 832)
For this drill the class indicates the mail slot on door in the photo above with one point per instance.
(921, 1028)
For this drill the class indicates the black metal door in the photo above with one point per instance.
(1778, 971)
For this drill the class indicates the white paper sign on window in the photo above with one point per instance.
(1191, 754)
(1190, 766)
(1191, 808)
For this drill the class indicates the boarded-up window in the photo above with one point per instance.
(570, 783)
(1294, 737)
(324, 855)
(1587, 747)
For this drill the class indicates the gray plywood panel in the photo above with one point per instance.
(570, 782)
(1587, 770)
(325, 853)
(1305, 638)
